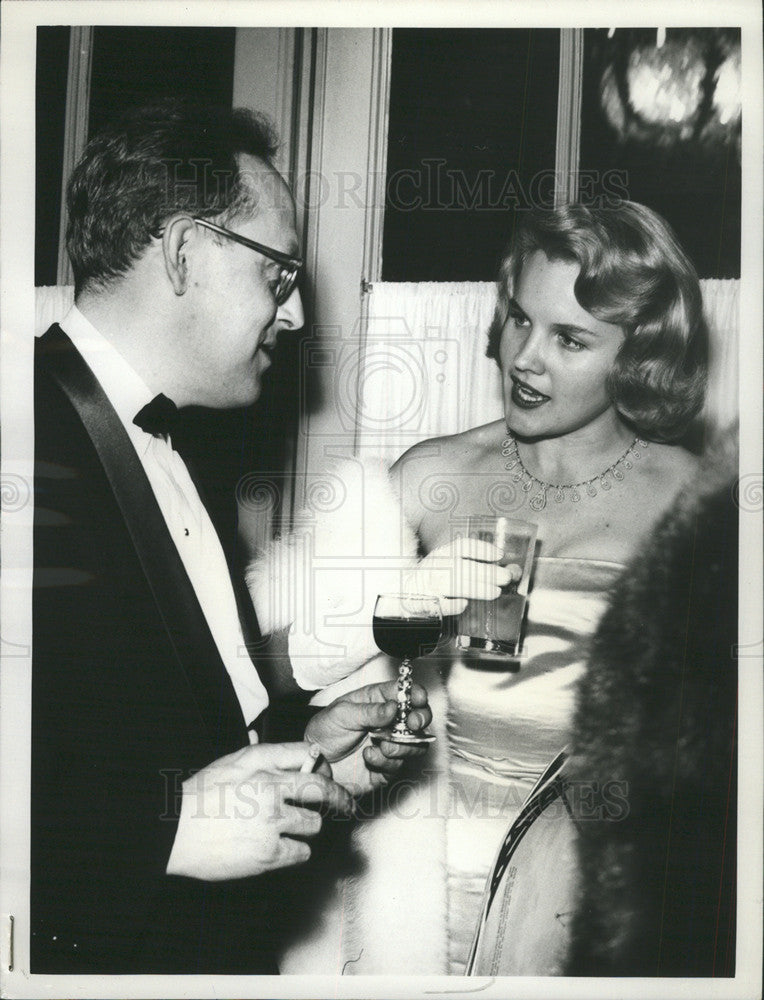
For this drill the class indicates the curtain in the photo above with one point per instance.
(423, 370)
(721, 300)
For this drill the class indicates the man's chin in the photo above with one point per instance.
(250, 397)
(245, 396)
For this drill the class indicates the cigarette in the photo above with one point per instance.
(311, 761)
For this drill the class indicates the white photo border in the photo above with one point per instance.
(17, 199)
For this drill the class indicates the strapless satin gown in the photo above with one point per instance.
(504, 729)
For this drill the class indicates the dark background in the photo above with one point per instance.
(480, 100)
(131, 66)
(52, 64)
(693, 184)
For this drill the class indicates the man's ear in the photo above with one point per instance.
(178, 232)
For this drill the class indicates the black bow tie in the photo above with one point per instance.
(157, 417)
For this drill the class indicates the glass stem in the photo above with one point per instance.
(403, 698)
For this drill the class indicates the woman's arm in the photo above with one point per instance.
(321, 580)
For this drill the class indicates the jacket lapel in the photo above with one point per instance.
(176, 600)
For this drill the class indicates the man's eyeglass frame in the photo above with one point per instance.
(290, 266)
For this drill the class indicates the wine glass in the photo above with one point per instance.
(406, 626)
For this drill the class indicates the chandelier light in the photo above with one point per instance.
(672, 86)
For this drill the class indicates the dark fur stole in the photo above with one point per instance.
(655, 753)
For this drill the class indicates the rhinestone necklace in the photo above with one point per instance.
(575, 490)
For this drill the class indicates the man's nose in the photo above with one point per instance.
(290, 315)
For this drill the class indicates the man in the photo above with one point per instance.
(158, 814)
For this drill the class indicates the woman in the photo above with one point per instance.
(601, 344)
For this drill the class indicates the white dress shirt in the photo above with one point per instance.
(184, 513)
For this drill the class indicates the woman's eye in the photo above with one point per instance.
(520, 321)
(569, 343)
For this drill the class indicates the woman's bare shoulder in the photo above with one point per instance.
(670, 467)
(464, 447)
(451, 454)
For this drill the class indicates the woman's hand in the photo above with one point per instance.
(465, 569)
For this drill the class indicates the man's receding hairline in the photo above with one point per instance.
(254, 182)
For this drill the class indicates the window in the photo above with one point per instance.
(52, 65)
(661, 120)
(130, 66)
(133, 66)
(471, 140)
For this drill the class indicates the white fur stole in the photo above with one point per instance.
(349, 543)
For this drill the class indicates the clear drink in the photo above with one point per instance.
(494, 627)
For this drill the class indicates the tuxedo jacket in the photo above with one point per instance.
(129, 698)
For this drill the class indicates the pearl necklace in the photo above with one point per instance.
(589, 486)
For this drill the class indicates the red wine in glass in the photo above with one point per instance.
(406, 626)
(406, 638)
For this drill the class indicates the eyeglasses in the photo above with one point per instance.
(290, 266)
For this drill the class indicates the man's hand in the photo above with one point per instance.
(340, 729)
(239, 816)
(465, 569)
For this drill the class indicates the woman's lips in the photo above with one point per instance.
(526, 397)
